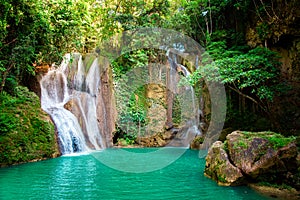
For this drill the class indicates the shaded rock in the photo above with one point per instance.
(196, 143)
(160, 141)
(156, 91)
(156, 111)
(156, 140)
(278, 193)
(219, 168)
(68, 106)
(156, 115)
(169, 125)
(106, 105)
(224, 133)
(167, 135)
(256, 155)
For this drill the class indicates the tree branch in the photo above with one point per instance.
(199, 26)
(257, 11)
(210, 18)
(250, 98)
(244, 95)
(262, 3)
(5, 44)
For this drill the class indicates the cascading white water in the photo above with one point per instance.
(71, 83)
(178, 67)
(79, 76)
(70, 136)
(189, 111)
(186, 73)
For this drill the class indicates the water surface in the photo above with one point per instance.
(85, 177)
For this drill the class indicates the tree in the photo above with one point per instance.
(16, 40)
(35, 32)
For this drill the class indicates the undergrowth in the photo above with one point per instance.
(26, 132)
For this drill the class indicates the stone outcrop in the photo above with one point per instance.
(219, 167)
(250, 157)
(176, 137)
(197, 141)
(256, 156)
(156, 140)
(106, 103)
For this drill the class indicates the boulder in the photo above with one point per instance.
(219, 168)
(255, 154)
(251, 157)
(160, 142)
(197, 141)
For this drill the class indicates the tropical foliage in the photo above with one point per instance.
(26, 133)
(34, 33)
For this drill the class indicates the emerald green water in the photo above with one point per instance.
(85, 177)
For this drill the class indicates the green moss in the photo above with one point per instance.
(88, 61)
(199, 139)
(275, 139)
(240, 144)
(26, 133)
(222, 178)
(177, 111)
(279, 142)
(225, 146)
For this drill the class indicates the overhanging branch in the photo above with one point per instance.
(244, 95)
(248, 97)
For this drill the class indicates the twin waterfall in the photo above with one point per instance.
(78, 95)
(79, 99)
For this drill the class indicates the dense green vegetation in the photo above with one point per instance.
(34, 33)
(26, 133)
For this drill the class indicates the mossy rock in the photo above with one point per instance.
(197, 141)
(219, 168)
(258, 156)
(258, 153)
(26, 131)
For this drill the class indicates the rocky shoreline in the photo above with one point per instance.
(278, 193)
(265, 161)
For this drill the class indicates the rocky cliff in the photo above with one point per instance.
(276, 25)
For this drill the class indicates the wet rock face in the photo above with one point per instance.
(156, 111)
(106, 109)
(83, 85)
(250, 156)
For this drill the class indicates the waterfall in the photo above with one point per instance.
(70, 94)
(190, 111)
